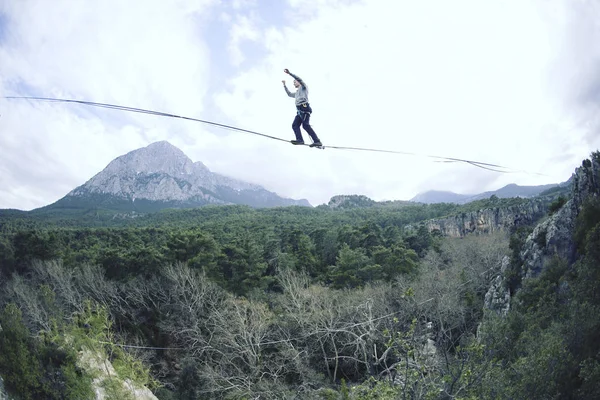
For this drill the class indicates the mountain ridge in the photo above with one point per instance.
(160, 176)
(510, 190)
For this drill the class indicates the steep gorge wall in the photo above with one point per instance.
(552, 237)
(555, 235)
(491, 220)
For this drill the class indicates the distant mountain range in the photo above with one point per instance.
(161, 176)
(512, 190)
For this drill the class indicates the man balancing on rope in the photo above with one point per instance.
(304, 110)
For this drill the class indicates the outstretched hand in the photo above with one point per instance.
(287, 71)
(283, 82)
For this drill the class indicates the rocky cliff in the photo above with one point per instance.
(553, 236)
(491, 220)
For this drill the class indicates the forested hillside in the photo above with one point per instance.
(357, 302)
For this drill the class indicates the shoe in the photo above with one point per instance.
(316, 144)
(297, 142)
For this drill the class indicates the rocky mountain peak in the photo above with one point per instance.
(162, 173)
(155, 158)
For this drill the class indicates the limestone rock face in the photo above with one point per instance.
(497, 297)
(490, 220)
(160, 176)
(549, 238)
(554, 236)
(158, 172)
(103, 371)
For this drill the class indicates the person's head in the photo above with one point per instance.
(296, 83)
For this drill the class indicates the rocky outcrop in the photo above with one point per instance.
(554, 237)
(586, 181)
(107, 384)
(490, 220)
(497, 298)
(158, 172)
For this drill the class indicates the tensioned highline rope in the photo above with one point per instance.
(479, 164)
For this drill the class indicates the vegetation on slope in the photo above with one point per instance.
(323, 304)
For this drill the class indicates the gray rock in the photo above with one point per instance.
(102, 369)
(490, 220)
(159, 171)
(162, 173)
(554, 236)
(497, 298)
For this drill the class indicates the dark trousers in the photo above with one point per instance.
(303, 118)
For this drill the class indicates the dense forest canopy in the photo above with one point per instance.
(231, 302)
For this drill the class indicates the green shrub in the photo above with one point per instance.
(556, 205)
(19, 365)
(37, 369)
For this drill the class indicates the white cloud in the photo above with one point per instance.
(464, 79)
(243, 4)
(110, 51)
(243, 29)
(506, 82)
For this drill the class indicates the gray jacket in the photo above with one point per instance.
(301, 94)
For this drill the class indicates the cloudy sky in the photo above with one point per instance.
(508, 82)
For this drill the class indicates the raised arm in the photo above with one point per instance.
(296, 77)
